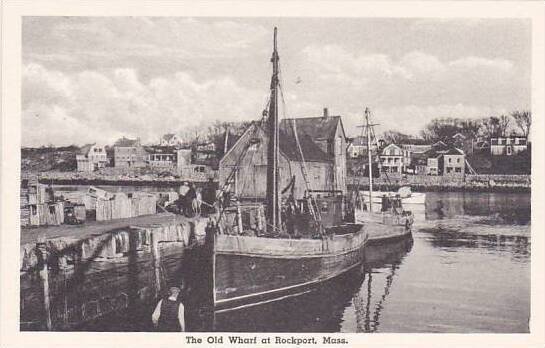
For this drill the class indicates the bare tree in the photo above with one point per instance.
(523, 119)
(395, 137)
(503, 124)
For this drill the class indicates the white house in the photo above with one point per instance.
(170, 140)
(91, 157)
(508, 145)
(392, 159)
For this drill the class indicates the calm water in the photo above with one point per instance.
(466, 269)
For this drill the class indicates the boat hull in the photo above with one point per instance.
(253, 270)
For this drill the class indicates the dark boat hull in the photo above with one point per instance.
(252, 270)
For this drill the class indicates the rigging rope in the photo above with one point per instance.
(314, 212)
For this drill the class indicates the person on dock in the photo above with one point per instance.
(168, 315)
(181, 203)
(190, 196)
(209, 196)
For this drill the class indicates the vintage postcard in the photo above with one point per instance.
(272, 174)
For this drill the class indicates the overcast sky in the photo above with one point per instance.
(90, 79)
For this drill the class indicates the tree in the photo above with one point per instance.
(503, 124)
(523, 119)
(491, 127)
(395, 137)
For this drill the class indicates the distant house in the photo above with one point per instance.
(508, 146)
(441, 159)
(454, 162)
(419, 163)
(206, 147)
(169, 140)
(434, 162)
(480, 146)
(91, 157)
(161, 157)
(391, 159)
(129, 153)
(412, 149)
(357, 147)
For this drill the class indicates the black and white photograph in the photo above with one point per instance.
(275, 174)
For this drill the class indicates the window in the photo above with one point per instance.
(458, 170)
(458, 160)
(449, 160)
(522, 141)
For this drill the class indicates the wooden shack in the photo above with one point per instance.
(244, 166)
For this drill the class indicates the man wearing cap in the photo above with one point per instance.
(168, 316)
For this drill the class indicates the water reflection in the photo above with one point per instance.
(506, 208)
(517, 245)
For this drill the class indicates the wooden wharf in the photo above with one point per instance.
(71, 275)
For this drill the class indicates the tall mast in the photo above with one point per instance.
(369, 159)
(273, 215)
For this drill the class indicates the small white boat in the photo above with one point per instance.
(415, 198)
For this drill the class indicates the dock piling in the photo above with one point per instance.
(156, 262)
(41, 248)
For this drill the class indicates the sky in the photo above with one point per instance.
(95, 79)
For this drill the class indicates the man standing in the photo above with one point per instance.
(168, 316)
(189, 197)
(209, 196)
(181, 203)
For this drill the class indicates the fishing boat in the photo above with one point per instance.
(413, 201)
(285, 246)
(387, 219)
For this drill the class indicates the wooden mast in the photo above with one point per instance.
(369, 159)
(273, 215)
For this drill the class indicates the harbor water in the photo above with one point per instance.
(465, 270)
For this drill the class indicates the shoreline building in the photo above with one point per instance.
(508, 146)
(129, 153)
(91, 157)
(322, 142)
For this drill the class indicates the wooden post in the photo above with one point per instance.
(239, 218)
(44, 278)
(156, 262)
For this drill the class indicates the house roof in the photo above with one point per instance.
(288, 145)
(390, 145)
(453, 151)
(318, 128)
(160, 149)
(126, 142)
(459, 135)
(413, 142)
(84, 150)
(359, 141)
(431, 154)
(169, 136)
(440, 146)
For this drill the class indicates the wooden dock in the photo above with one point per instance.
(71, 275)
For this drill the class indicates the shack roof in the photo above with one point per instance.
(288, 146)
(318, 128)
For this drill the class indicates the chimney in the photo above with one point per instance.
(326, 113)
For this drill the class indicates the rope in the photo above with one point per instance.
(315, 213)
